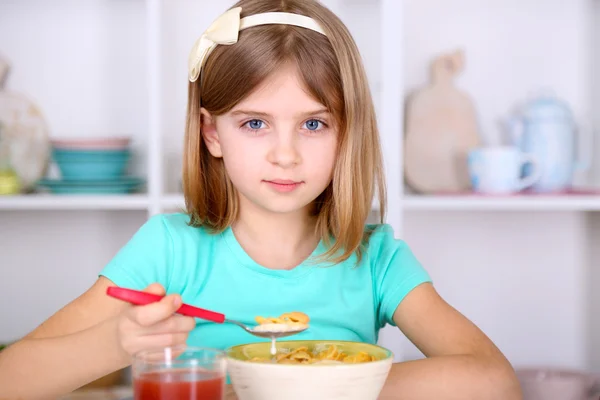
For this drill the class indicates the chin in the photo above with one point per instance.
(285, 208)
(282, 204)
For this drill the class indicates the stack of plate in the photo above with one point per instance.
(92, 166)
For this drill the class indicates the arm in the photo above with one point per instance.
(462, 363)
(95, 334)
(91, 337)
(75, 346)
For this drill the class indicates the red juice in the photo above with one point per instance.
(179, 385)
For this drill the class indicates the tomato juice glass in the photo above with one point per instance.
(182, 373)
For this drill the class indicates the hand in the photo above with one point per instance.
(154, 325)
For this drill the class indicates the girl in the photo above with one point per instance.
(281, 162)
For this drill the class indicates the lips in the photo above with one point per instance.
(283, 185)
(283, 182)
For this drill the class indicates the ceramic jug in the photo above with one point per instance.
(546, 129)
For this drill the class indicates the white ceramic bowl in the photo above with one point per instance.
(324, 381)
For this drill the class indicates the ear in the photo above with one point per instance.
(209, 133)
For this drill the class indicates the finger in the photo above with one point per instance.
(155, 312)
(155, 288)
(173, 324)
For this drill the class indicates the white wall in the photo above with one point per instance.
(593, 294)
(526, 278)
(49, 258)
(595, 84)
(522, 277)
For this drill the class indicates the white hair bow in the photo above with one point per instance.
(225, 30)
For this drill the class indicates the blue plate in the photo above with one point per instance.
(117, 186)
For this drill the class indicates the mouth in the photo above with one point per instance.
(283, 185)
(283, 182)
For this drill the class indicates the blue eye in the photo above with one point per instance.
(255, 124)
(313, 124)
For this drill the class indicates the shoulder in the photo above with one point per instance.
(159, 251)
(379, 230)
(176, 226)
(176, 223)
(382, 243)
(168, 234)
(386, 255)
(394, 268)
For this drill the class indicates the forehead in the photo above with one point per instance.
(282, 94)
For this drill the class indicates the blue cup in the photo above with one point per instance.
(497, 170)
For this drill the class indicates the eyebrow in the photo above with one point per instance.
(267, 115)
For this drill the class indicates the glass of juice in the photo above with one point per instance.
(182, 373)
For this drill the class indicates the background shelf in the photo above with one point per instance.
(50, 202)
(514, 203)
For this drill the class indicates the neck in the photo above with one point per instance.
(276, 240)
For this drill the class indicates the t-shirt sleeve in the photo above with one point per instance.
(397, 273)
(144, 259)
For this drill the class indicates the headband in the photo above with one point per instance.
(225, 29)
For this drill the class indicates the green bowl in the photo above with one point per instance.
(320, 381)
(247, 352)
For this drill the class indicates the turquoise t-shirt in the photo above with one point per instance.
(212, 271)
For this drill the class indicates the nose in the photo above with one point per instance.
(284, 151)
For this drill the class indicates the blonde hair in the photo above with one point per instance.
(332, 70)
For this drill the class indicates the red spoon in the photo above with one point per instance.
(142, 298)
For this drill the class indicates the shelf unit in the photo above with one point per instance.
(410, 203)
(382, 66)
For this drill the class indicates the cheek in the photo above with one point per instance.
(231, 144)
(321, 157)
(239, 157)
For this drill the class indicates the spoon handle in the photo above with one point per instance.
(142, 298)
